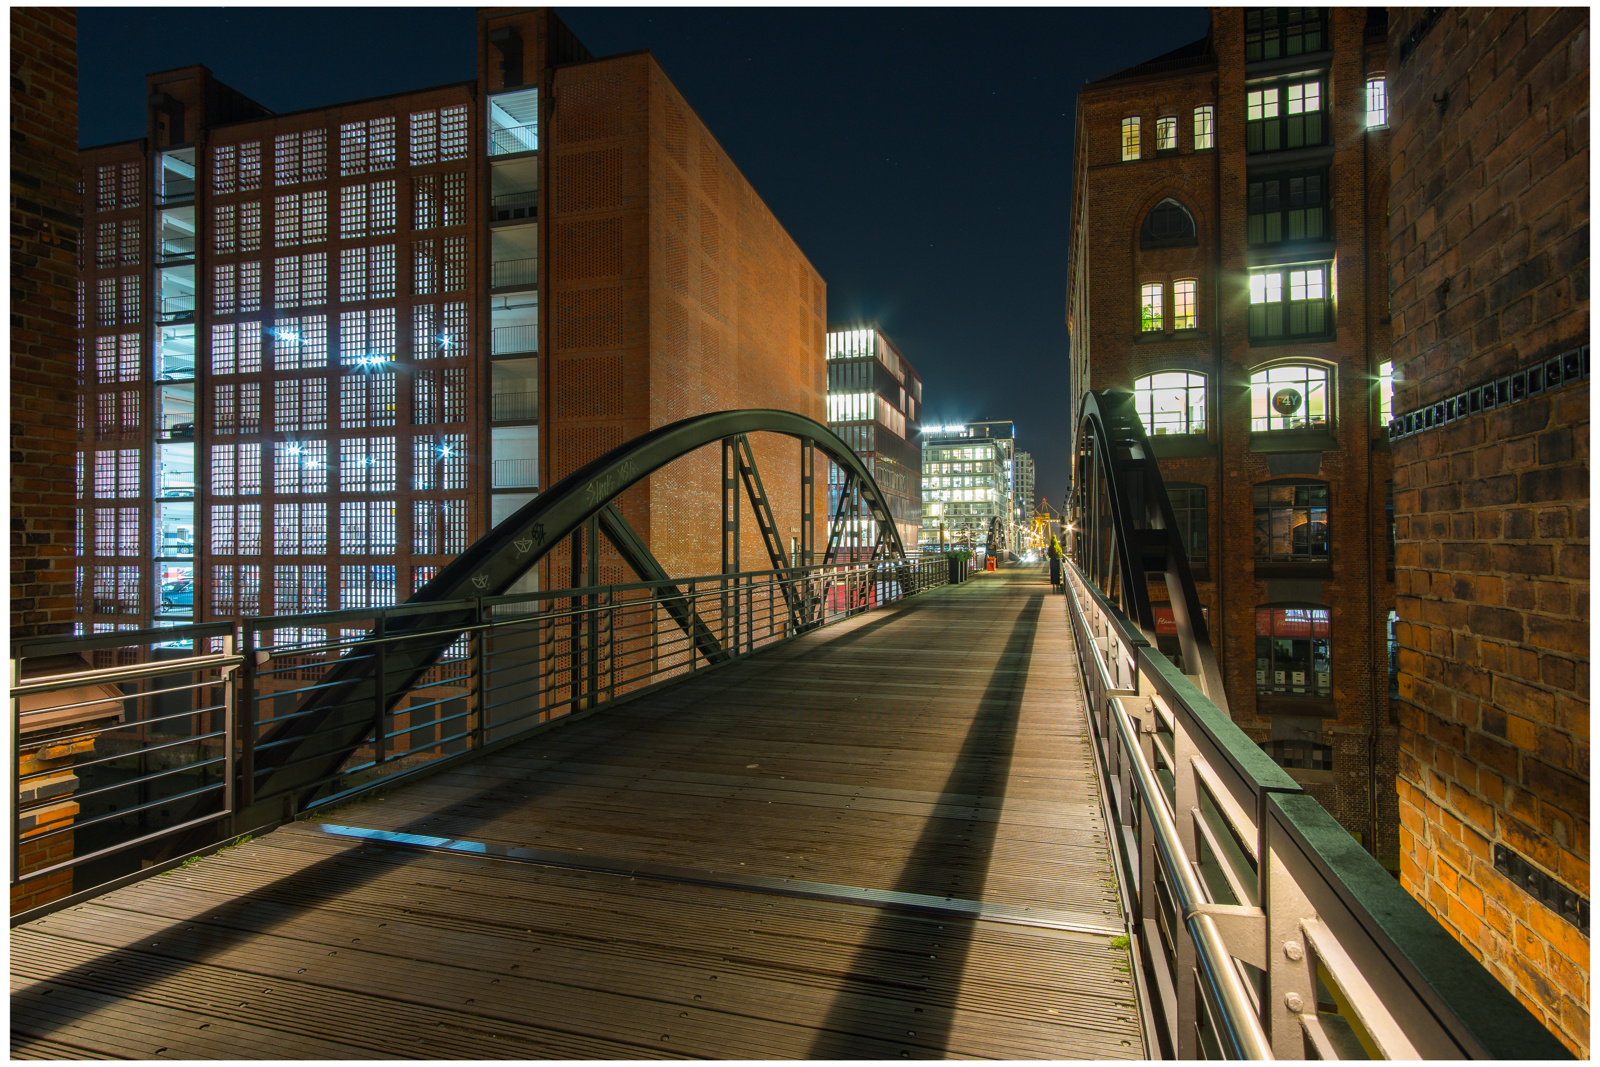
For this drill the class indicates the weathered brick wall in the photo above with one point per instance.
(1107, 267)
(46, 219)
(1489, 241)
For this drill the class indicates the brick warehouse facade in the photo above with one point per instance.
(1489, 241)
(328, 350)
(46, 218)
(1227, 256)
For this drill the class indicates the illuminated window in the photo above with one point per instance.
(250, 166)
(300, 529)
(1290, 302)
(1205, 129)
(300, 467)
(1167, 133)
(1287, 208)
(1130, 138)
(1292, 651)
(1300, 755)
(224, 169)
(1377, 102)
(1289, 397)
(1386, 381)
(250, 226)
(425, 201)
(1151, 319)
(1291, 522)
(366, 587)
(1183, 297)
(366, 527)
(1288, 114)
(1171, 402)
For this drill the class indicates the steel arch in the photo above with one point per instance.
(336, 719)
(1127, 532)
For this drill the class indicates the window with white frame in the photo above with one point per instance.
(1291, 396)
(1385, 392)
(1171, 402)
(1183, 304)
(1167, 133)
(1205, 128)
(1377, 101)
(1130, 138)
(1151, 317)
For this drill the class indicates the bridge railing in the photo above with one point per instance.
(1264, 929)
(119, 742)
(130, 738)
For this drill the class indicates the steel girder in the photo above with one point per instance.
(1127, 531)
(307, 750)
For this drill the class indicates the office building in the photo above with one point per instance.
(1228, 264)
(1022, 489)
(325, 351)
(875, 406)
(1489, 243)
(966, 485)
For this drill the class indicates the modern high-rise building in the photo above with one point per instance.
(325, 351)
(875, 406)
(1022, 495)
(1229, 266)
(967, 485)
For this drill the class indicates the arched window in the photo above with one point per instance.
(1291, 522)
(1290, 396)
(1168, 223)
(1172, 401)
(1292, 650)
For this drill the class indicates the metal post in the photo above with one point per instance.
(478, 678)
(574, 624)
(808, 501)
(592, 614)
(229, 764)
(247, 698)
(16, 771)
(380, 651)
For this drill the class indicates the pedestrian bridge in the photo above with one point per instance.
(877, 810)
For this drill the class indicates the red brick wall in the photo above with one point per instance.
(46, 219)
(1107, 267)
(673, 292)
(1489, 241)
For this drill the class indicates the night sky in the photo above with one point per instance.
(921, 158)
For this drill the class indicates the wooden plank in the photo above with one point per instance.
(924, 749)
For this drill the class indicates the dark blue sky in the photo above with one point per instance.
(921, 157)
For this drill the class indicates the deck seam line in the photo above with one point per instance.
(1010, 914)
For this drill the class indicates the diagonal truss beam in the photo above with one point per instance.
(745, 456)
(637, 555)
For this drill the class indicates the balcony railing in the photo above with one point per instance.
(515, 473)
(509, 140)
(509, 207)
(175, 191)
(510, 272)
(515, 407)
(512, 340)
(175, 308)
(176, 248)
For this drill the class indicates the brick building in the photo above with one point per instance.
(875, 406)
(45, 221)
(1227, 264)
(326, 351)
(1489, 246)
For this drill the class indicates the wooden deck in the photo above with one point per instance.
(881, 841)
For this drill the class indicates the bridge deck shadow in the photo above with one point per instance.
(882, 840)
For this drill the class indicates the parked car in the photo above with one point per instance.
(178, 594)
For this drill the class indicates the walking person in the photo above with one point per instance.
(1055, 562)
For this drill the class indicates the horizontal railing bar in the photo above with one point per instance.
(143, 750)
(114, 675)
(122, 846)
(77, 796)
